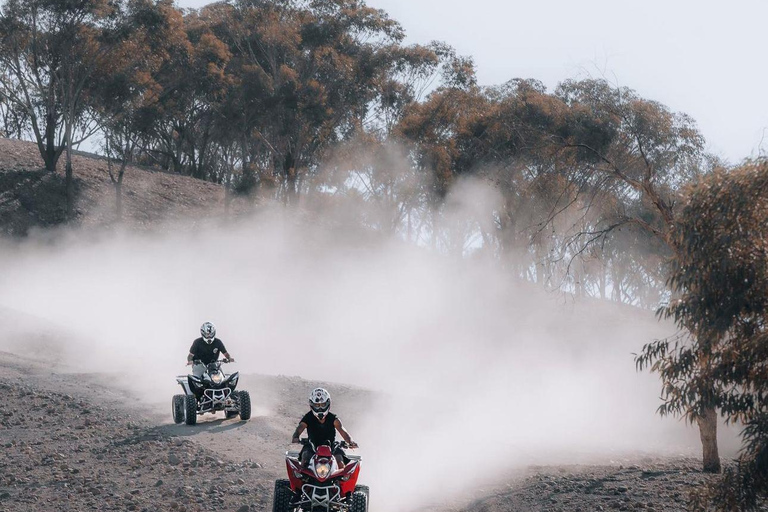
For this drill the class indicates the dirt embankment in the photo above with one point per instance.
(31, 197)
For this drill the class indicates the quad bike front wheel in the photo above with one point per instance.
(359, 502)
(177, 405)
(244, 401)
(190, 409)
(283, 496)
(365, 490)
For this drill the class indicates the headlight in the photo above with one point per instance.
(217, 378)
(323, 470)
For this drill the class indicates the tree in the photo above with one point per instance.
(28, 65)
(591, 170)
(51, 50)
(721, 275)
(633, 157)
(125, 94)
(315, 71)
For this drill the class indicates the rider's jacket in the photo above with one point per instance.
(205, 352)
(320, 433)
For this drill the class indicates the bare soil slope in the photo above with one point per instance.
(31, 197)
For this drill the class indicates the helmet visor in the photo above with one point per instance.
(321, 407)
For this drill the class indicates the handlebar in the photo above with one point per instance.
(340, 444)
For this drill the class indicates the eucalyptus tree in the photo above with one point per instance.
(632, 157)
(720, 275)
(51, 52)
(315, 72)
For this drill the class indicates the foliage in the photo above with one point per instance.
(721, 276)
(268, 98)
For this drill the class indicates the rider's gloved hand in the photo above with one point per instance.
(353, 445)
(189, 363)
(295, 440)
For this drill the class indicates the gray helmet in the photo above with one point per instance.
(208, 332)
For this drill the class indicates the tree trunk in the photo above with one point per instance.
(289, 171)
(69, 178)
(119, 199)
(50, 157)
(228, 183)
(708, 433)
(603, 280)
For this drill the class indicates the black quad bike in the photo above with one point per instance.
(212, 392)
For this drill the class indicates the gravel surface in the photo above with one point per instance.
(68, 451)
(652, 484)
(74, 442)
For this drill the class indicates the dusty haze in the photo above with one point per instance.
(474, 372)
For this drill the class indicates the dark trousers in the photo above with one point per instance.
(306, 454)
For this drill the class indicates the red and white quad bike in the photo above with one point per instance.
(321, 485)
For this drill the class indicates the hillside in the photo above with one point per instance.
(31, 197)
(88, 424)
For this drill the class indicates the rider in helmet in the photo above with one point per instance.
(206, 348)
(321, 426)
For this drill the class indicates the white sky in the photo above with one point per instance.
(705, 58)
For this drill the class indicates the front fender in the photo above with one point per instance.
(195, 384)
(294, 467)
(347, 477)
(231, 381)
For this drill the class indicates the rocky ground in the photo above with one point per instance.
(659, 483)
(73, 441)
(67, 450)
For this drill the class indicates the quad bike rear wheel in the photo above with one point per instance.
(283, 496)
(244, 401)
(190, 409)
(178, 408)
(359, 502)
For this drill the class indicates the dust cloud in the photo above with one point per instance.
(474, 372)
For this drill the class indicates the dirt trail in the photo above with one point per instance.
(74, 441)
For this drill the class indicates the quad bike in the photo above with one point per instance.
(212, 392)
(321, 485)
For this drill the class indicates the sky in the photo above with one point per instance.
(705, 58)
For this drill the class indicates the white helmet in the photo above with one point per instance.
(319, 402)
(208, 332)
